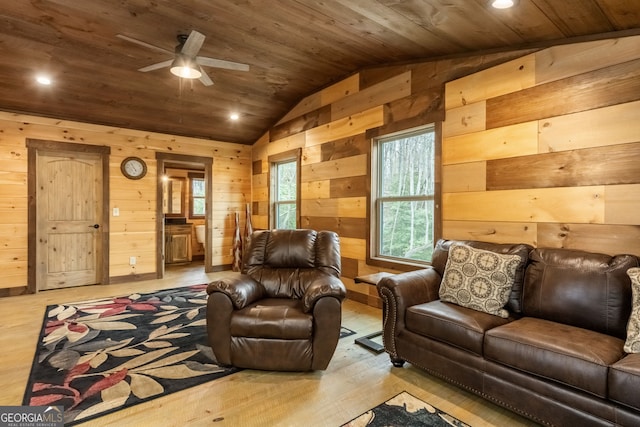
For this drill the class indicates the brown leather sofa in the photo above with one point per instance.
(284, 311)
(557, 359)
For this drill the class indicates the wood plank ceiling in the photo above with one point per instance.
(293, 47)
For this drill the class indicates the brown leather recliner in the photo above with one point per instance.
(283, 312)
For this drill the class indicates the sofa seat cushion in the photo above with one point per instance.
(567, 354)
(273, 318)
(452, 324)
(624, 381)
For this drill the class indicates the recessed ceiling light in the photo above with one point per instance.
(502, 4)
(43, 80)
(234, 116)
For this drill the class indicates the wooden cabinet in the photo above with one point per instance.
(177, 248)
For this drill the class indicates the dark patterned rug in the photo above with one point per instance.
(96, 357)
(404, 410)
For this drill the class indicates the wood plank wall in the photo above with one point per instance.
(539, 146)
(545, 149)
(133, 233)
(333, 127)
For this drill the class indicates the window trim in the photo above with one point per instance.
(191, 176)
(274, 160)
(373, 237)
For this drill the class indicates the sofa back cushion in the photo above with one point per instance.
(514, 304)
(583, 289)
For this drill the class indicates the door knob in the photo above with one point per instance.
(96, 226)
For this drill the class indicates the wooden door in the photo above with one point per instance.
(69, 210)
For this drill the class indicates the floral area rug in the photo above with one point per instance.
(95, 357)
(405, 409)
(99, 356)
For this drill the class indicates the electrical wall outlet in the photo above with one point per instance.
(116, 211)
(132, 260)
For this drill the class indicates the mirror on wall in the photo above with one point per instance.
(173, 196)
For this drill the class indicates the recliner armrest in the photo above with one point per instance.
(323, 286)
(242, 290)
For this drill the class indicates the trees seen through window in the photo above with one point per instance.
(405, 196)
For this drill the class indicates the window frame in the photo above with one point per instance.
(196, 176)
(374, 257)
(275, 160)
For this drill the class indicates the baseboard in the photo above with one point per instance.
(371, 300)
(12, 292)
(114, 280)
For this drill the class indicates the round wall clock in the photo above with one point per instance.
(133, 167)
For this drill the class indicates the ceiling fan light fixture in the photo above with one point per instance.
(43, 79)
(502, 4)
(185, 68)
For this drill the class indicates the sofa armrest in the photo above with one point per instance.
(400, 292)
(413, 287)
(242, 290)
(323, 286)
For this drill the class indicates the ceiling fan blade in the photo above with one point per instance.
(193, 44)
(220, 63)
(157, 66)
(205, 79)
(141, 43)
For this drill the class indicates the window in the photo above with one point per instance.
(197, 196)
(403, 210)
(285, 191)
(285, 202)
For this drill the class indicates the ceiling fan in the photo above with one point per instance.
(186, 63)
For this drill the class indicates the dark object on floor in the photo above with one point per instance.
(367, 341)
(346, 332)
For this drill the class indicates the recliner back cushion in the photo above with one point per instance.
(281, 249)
(284, 282)
(328, 253)
(286, 262)
(578, 288)
(514, 304)
(291, 249)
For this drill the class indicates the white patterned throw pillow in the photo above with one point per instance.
(632, 344)
(478, 279)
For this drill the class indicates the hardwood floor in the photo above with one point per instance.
(355, 381)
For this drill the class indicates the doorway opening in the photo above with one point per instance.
(184, 211)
